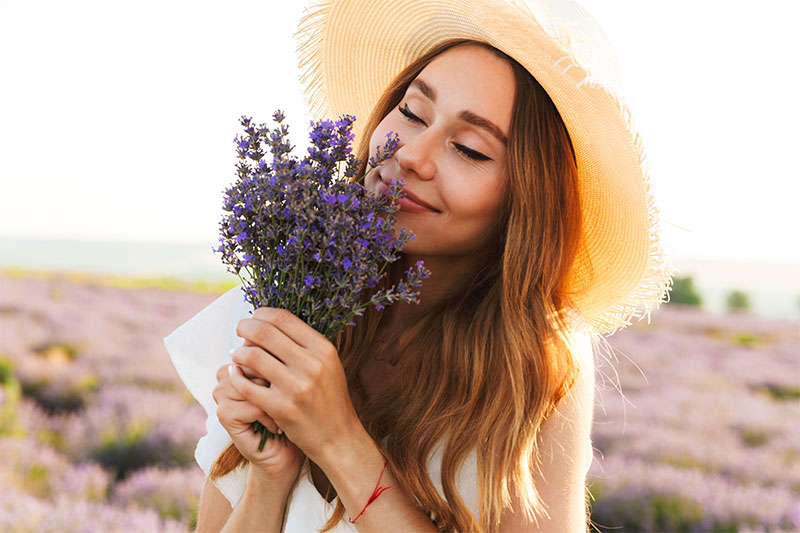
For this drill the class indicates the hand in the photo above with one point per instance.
(307, 397)
(278, 461)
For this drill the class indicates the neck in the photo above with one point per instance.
(447, 273)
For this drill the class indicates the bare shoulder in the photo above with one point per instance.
(582, 348)
(566, 453)
(566, 432)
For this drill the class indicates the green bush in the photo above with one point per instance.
(646, 512)
(753, 437)
(9, 399)
(6, 370)
(778, 393)
(683, 292)
(57, 352)
(673, 513)
(138, 447)
(737, 301)
(60, 396)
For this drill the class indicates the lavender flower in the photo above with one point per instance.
(173, 493)
(129, 427)
(704, 422)
(307, 239)
(303, 238)
(20, 512)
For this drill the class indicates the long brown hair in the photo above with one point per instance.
(491, 359)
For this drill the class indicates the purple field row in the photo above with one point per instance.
(697, 419)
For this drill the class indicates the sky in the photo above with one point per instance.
(117, 118)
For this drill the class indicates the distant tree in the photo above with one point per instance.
(737, 301)
(683, 292)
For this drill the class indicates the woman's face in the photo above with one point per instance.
(452, 124)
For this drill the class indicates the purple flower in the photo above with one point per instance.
(173, 493)
(307, 231)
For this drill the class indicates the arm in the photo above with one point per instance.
(565, 447)
(261, 508)
(309, 400)
(566, 452)
(353, 468)
(271, 474)
(214, 509)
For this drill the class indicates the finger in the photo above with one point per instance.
(294, 328)
(222, 373)
(262, 397)
(261, 382)
(268, 337)
(261, 364)
(218, 393)
(224, 390)
(268, 422)
(250, 413)
(251, 374)
(240, 415)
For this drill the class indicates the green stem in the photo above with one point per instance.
(264, 433)
(298, 300)
(312, 293)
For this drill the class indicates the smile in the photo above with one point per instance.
(410, 203)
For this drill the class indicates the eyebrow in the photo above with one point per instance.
(467, 116)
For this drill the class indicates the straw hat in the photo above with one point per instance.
(350, 50)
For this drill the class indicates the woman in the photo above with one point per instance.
(471, 411)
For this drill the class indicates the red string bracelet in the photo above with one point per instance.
(375, 493)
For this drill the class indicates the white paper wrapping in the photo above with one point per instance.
(197, 349)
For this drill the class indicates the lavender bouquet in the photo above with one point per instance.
(302, 238)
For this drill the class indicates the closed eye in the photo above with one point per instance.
(409, 115)
(468, 152)
(472, 154)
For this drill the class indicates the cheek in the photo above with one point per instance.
(390, 124)
(377, 136)
(473, 201)
(386, 125)
(469, 224)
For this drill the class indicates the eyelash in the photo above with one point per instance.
(472, 154)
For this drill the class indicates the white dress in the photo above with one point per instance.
(203, 344)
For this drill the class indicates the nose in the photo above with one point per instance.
(417, 154)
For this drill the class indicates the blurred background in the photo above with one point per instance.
(116, 143)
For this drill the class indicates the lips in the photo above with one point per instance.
(414, 198)
(409, 196)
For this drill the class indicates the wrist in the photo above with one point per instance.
(353, 467)
(262, 507)
(259, 483)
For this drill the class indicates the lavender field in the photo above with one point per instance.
(97, 432)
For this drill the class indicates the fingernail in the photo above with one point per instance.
(232, 350)
(230, 370)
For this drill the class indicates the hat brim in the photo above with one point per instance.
(350, 51)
